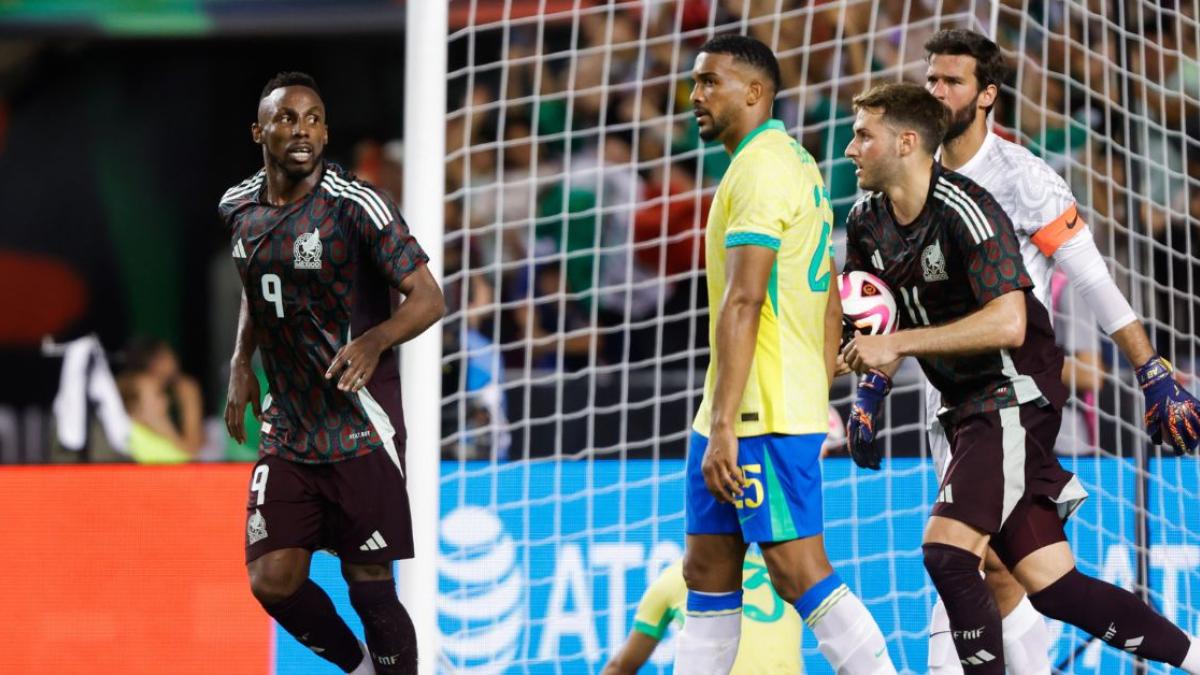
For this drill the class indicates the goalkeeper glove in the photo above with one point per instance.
(860, 431)
(1172, 413)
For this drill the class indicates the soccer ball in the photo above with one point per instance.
(867, 304)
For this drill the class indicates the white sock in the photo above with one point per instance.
(943, 657)
(367, 667)
(708, 643)
(1191, 662)
(1026, 640)
(848, 636)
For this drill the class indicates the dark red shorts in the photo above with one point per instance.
(1004, 479)
(357, 508)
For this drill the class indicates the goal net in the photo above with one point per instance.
(576, 339)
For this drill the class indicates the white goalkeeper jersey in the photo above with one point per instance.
(1036, 199)
(1043, 212)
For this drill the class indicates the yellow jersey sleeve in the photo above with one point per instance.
(662, 603)
(761, 207)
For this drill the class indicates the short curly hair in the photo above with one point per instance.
(747, 50)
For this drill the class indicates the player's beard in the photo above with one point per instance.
(868, 179)
(867, 182)
(716, 129)
(879, 175)
(297, 172)
(961, 120)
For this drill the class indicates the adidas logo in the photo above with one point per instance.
(978, 658)
(374, 543)
(239, 250)
(1132, 644)
(946, 495)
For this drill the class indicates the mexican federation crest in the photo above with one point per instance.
(306, 252)
(933, 263)
(256, 527)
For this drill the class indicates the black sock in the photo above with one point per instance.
(390, 633)
(974, 618)
(1114, 615)
(310, 617)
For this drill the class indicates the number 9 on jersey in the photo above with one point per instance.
(272, 291)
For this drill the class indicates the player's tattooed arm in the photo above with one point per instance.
(422, 306)
(243, 383)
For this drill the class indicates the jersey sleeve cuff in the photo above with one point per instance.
(751, 239)
(652, 630)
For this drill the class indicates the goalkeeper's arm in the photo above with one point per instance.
(1172, 413)
(631, 655)
(650, 623)
(1085, 269)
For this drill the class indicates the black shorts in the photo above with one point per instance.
(1003, 478)
(356, 508)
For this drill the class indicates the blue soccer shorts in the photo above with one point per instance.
(781, 496)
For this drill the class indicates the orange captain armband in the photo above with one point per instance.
(1056, 232)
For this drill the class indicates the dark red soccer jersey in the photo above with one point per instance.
(960, 253)
(318, 272)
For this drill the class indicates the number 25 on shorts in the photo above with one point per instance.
(753, 494)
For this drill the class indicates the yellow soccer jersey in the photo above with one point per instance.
(770, 627)
(773, 196)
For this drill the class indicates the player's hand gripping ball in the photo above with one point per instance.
(1172, 413)
(867, 305)
(860, 431)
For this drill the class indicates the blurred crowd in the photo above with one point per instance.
(577, 186)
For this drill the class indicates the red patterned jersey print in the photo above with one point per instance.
(318, 272)
(959, 254)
